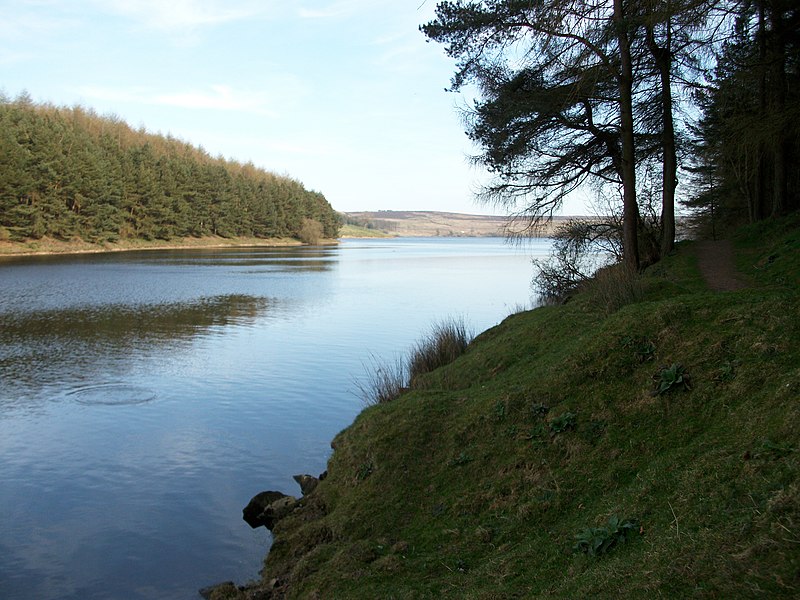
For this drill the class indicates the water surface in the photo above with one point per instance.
(146, 396)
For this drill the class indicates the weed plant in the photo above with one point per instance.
(600, 540)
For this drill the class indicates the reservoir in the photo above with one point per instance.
(145, 397)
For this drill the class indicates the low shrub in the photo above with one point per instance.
(614, 287)
(311, 232)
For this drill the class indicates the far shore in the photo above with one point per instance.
(50, 246)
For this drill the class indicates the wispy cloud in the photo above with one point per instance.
(23, 22)
(216, 97)
(12, 58)
(182, 15)
(337, 8)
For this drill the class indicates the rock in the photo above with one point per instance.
(277, 510)
(256, 506)
(219, 590)
(308, 483)
(267, 508)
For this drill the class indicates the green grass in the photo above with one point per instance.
(355, 231)
(547, 431)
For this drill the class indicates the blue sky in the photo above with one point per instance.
(343, 95)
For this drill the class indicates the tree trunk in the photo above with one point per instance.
(759, 210)
(630, 209)
(777, 58)
(663, 61)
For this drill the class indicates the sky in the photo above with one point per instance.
(346, 96)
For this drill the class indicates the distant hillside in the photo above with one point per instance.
(436, 224)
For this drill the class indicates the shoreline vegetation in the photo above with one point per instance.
(54, 247)
(617, 445)
(371, 225)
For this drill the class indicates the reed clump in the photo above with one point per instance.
(444, 343)
(388, 380)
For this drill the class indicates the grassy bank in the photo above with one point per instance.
(78, 246)
(640, 447)
(354, 231)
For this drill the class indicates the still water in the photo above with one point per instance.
(145, 397)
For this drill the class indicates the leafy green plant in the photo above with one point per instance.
(599, 540)
(776, 449)
(643, 348)
(499, 410)
(646, 351)
(539, 410)
(461, 459)
(364, 470)
(538, 434)
(671, 377)
(563, 422)
(593, 430)
(727, 372)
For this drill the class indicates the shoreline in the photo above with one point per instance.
(52, 247)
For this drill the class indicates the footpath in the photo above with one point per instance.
(715, 261)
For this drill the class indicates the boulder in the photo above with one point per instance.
(267, 508)
(308, 483)
(226, 589)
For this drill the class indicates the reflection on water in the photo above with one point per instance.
(64, 347)
(146, 396)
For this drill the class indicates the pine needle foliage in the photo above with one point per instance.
(68, 174)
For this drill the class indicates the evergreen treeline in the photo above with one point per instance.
(577, 94)
(747, 143)
(67, 173)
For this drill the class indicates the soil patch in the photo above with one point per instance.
(715, 261)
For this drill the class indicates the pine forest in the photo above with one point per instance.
(68, 173)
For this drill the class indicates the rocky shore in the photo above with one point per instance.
(266, 509)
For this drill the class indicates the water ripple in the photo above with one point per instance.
(112, 394)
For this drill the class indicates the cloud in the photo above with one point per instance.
(400, 53)
(217, 97)
(25, 23)
(220, 97)
(338, 8)
(184, 15)
(11, 58)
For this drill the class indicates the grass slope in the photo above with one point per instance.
(477, 485)
(354, 231)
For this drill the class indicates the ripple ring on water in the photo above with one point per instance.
(112, 394)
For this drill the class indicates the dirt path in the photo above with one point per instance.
(715, 260)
